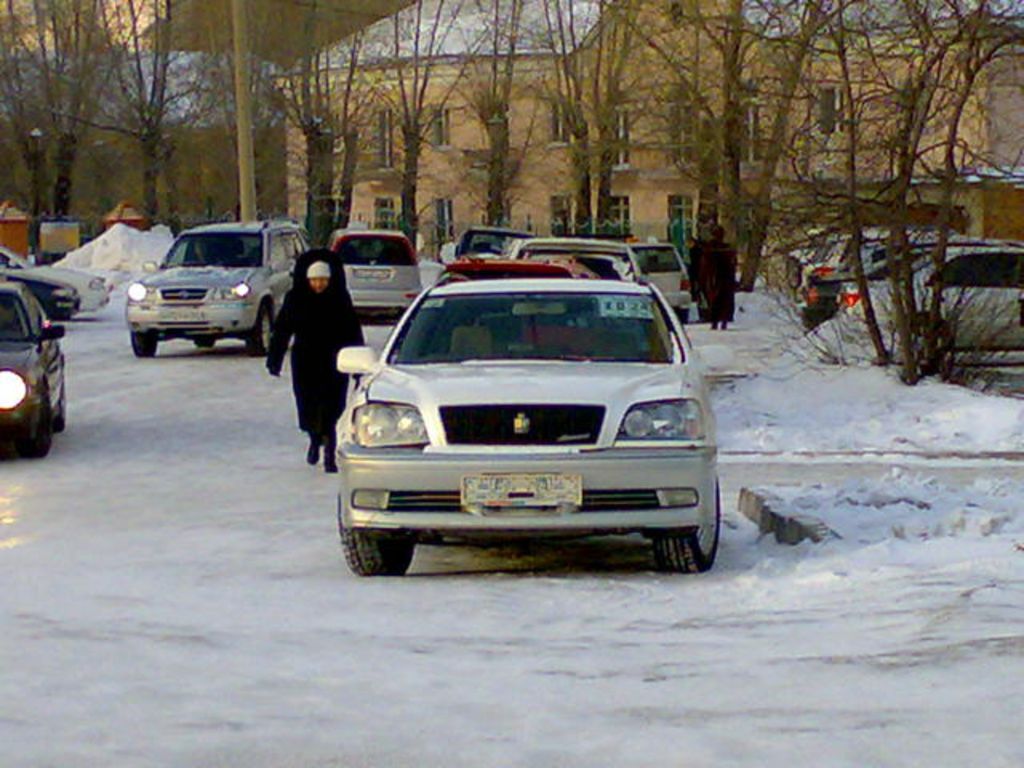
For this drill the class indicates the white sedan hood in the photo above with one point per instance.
(616, 386)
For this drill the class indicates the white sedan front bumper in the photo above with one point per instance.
(620, 491)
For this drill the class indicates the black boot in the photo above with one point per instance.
(313, 454)
(330, 454)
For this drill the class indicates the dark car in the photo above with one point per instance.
(59, 300)
(33, 400)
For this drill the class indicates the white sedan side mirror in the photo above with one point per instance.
(357, 360)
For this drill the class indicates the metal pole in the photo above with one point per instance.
(243, 115)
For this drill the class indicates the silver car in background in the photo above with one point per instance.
(381, 269)
(662, 265)
(217, 281)
(528, 408)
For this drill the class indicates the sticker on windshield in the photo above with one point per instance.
(634, 307)
(433, 303)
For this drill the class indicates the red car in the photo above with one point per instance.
(503, 269)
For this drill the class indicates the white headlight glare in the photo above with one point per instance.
(241, 290)
(13, 390)
(664, 420)
(137, 292)
(379, 425)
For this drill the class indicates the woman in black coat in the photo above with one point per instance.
(318, 312)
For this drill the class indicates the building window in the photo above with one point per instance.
(385, 139)
(680, 208)
(559, 125)
(561, 214)
(618, 212)
(384, 213)
(750, 135)
(829, 105)
(441, 128)
(444, 220)
(622, 137)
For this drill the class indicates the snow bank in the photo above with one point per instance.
(121, 249)
(905, 507)
(797, 407)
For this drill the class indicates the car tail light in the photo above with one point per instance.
(823, 271)
(812, 295)
(849, 299)
(684, 284)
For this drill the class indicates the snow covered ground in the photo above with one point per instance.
(173, 593)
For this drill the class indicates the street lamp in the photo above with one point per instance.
(35, 168)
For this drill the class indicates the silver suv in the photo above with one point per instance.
(217, 281)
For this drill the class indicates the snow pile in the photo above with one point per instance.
(908, 508)
(121, 249)
(795, 407)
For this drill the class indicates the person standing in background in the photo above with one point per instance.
(319, 314)
(717, 274)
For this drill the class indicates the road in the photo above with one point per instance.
(174, 596)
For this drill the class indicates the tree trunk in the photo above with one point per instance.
(732, 145)
(497, 170)
(410, 178)
(347, 182)
(320, 181)
(64, 166)
(152, 161)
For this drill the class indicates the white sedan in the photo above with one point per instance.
(529, 408)
(94, 290)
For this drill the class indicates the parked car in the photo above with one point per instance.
(662, 265)
(93, 290)
(217, 281)
(483, 243)
(608, 259)
(381, 270)
(33, 398)
(503, 269)
(982, 293)
(593, 418)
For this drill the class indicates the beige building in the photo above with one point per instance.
(656, 171)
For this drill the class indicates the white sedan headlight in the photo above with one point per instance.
(137, 292)
(663, 420)
(382, 425)
(13, 390)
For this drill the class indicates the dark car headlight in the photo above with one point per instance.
(13, 390)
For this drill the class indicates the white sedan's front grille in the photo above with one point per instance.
(183, 294)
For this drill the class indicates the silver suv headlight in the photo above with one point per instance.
(663, 420)
(138, 292)
(13, 390)
(383, 425)
(234, 293)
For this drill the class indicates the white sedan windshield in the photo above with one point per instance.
(604, 327)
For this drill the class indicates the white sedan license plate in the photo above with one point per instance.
(373, 275)
(521, 491)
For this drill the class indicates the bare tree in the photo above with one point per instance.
(492, 80)
(418, 39)
(53, 58)
(153, 84)
(318, 95)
